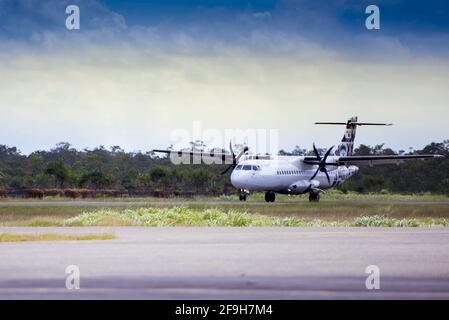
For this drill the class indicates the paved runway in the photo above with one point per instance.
(230, 263)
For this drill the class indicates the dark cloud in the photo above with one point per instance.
(24, 18)
(267, 26)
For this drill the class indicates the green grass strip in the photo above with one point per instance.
(185, 216)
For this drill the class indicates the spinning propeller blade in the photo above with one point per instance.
(234, 158)
(321, 162)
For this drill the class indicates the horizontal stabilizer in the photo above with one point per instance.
(357, 123)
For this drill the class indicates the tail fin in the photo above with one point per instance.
(346, 146)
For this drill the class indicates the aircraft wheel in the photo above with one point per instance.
(267, 197)
(314, 197)
(270, 196)
(242, 197)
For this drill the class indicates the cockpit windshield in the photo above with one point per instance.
(248, 167)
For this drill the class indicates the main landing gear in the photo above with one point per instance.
(314, 197)
(270, 196)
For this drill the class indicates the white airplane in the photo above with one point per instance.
(298, 174)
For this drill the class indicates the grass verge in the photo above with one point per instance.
(330, 195)
(185, 216)
(46, 216)
(21, 237)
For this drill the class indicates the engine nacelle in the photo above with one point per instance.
(302, 186)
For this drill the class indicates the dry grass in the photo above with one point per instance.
(21, 237)
(331, 211)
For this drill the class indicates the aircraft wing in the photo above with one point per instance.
(217, 157)
(378, 160)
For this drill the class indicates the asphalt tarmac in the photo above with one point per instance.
(229, 263)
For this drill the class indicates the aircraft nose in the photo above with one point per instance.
(236, 179)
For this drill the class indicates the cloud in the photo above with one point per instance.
(136, 96)
(23, 19)
(116, 82)
(291, 26)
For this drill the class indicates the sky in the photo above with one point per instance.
(138, 71)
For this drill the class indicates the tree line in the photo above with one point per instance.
(143, 173)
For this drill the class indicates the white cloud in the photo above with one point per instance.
(132, 86)
(136, 96)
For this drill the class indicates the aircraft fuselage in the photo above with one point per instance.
(287, 175)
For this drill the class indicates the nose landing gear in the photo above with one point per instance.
(270, 196)
(243, 194)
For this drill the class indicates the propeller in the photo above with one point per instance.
(321, 162)
(235, 159)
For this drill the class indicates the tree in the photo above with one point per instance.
(66, 167)
(201, 179)
(363, 150)
(1, 178)
(160, 176)
(60, 171)
(97, 179)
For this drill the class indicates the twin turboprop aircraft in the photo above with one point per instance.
(299, 174)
